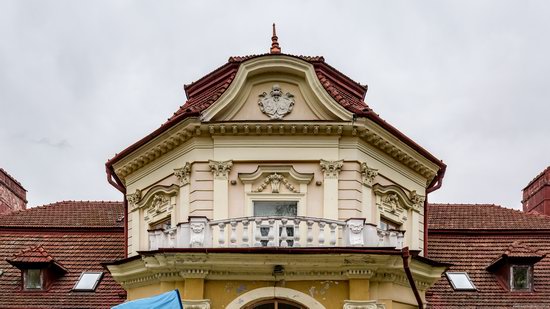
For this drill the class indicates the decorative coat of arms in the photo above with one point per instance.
(276, 105)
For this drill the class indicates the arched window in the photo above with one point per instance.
(275, 304)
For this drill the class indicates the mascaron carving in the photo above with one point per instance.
(183, 174)
(331, 168)
(275, 180)
(368, 174)
(220, 169)
(391, 200)
(276, 105)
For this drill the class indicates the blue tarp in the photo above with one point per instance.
(169, 300)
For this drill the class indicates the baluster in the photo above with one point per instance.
(258, 234)
(296, 233)
(284, 234)
(309, 233)
(321, 233)
(245, 233)
(221, 236)
(332, 241)
(233, 236)
(380, 238)
(271, 234)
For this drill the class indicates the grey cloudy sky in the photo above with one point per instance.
(468, 80)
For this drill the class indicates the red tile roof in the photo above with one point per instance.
(477, 235)
(77, 250)
(207, 90)
(483, 217)
(68, 214)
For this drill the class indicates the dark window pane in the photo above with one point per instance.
(265, 306)
(32, 280)
(275, 208)
(520, 277)
(287, 306)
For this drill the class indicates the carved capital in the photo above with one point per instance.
(417, 200)
(183, 174)
(368, 174)
(134, 197)
(362, 304)
(220, 169)
(331, 169)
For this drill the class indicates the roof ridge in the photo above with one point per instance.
(12, 178)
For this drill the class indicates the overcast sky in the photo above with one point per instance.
(468, 80)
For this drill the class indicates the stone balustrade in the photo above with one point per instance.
(298, 231)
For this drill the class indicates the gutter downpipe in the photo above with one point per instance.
(434, 185)
(405, 254)
(120, 187)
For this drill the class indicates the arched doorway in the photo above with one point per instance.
(275, 304)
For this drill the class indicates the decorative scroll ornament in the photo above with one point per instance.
(368, 174)
(220, 169)
(183, 174)
(134, 197)
(275, 180)
(417, 200)
(331, 168)
(196, 304)
(197, 235)
(391, 200)
(159, 200)
(358, 304)
(276, 105)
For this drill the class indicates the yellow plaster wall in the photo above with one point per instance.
(330, 293)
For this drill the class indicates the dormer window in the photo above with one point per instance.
(520, 277)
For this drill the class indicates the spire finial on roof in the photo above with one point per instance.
(275, 49)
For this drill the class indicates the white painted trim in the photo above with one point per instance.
(274, 292)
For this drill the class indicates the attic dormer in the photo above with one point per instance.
(38, 268)
(514, 269)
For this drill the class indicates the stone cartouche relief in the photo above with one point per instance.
(368, 174)
(220, 169)
(394, 203)
(159, 204)
(276, 180)
(183, 174)
(331, 169)
(276, 105)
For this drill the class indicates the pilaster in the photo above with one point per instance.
(331, 170)
(220, 170)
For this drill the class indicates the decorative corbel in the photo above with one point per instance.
(331, 169)
(183, 174)
(417, 200)
(368, 174)
(220, 169)
(362, 304)
(133, 198)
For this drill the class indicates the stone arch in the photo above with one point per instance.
(274, 292)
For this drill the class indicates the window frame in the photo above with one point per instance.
(94, 287)
(25, 274)
(447, 273)
(529, 278)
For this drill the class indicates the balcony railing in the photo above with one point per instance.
(199, 232)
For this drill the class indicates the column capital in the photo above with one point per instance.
(220, 169)
(331, 169)
(183, 174)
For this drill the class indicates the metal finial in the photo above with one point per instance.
(275, 49)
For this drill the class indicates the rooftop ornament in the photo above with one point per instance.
(275, 49)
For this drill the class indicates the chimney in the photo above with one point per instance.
(13, 196)
(536, 196)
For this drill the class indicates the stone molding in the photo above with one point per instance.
(183, 174)
(196, 304)
(331, 169)
(362, 304)
(220, 169)
(274, 292)
(368, 174)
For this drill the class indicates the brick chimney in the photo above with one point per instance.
(536, 196)
(13, 196)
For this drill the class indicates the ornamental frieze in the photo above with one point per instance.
(276, 105)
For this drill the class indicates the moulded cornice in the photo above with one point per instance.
(280, 64)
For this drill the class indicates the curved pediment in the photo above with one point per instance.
(290, 84)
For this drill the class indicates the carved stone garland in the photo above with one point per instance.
(220, 169)
(331, 168)
(183, 174)
(275, 180)
(276, 105)
(368, 174)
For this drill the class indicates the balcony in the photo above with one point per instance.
(278, 231)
